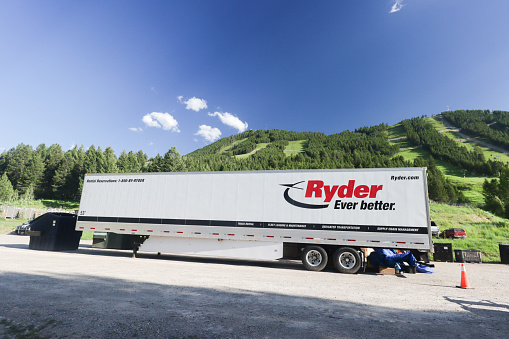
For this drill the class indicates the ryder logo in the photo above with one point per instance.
(297, 203)
(318, 189)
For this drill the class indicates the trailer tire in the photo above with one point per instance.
(347, 260)
(314, 258)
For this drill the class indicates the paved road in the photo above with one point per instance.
(106, 294)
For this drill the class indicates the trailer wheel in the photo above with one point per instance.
(347, 260)
(314, 258)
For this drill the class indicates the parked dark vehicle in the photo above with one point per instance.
(23, 228)
(434, 229)
(454, 233)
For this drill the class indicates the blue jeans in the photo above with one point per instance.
(402, 257)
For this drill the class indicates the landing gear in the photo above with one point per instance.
(136, 241)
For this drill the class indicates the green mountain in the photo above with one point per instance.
(458, 159)
(461, 149)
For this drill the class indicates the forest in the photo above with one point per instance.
(51, 173)
(491, 126)
(421, 132)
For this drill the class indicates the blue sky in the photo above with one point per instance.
(149, 75)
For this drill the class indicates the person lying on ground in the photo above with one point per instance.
(389, 257)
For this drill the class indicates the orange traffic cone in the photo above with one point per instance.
(464, 278)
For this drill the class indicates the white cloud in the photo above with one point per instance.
(230, 120)
(161, 120)
(396, 7)
(194, 103)
(210, 134)
(136, 129)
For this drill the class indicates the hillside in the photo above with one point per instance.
(458, 162)
(464, 161)
(484, 230)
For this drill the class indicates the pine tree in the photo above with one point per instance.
(6, 189)
(78, 171)
(91, 164)
(131, 162)
(109, 163)
(496, 194)
(436, 189)
(17, 161)
(53, 155)
(172, 161)
(492, 201)
(155, 164)
(123, 163)
(29, 184)
(62, 179)
(142, 159)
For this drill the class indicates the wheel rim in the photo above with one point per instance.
(314, 258)
(347, 260)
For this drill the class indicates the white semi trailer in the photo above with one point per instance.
(315, 215)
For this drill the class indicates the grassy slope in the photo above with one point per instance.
(484, 230)
(241, 156)
(226, 148)
(488, 153)
(295, 147)
(258, 147)
(456, 175)
(473, 183)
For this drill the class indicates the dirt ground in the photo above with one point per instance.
(95, 293)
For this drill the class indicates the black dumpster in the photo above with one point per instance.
(504, 253)
(443, 252)
(54, 232)
(468, 256)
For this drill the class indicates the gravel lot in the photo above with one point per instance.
(98, 293)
